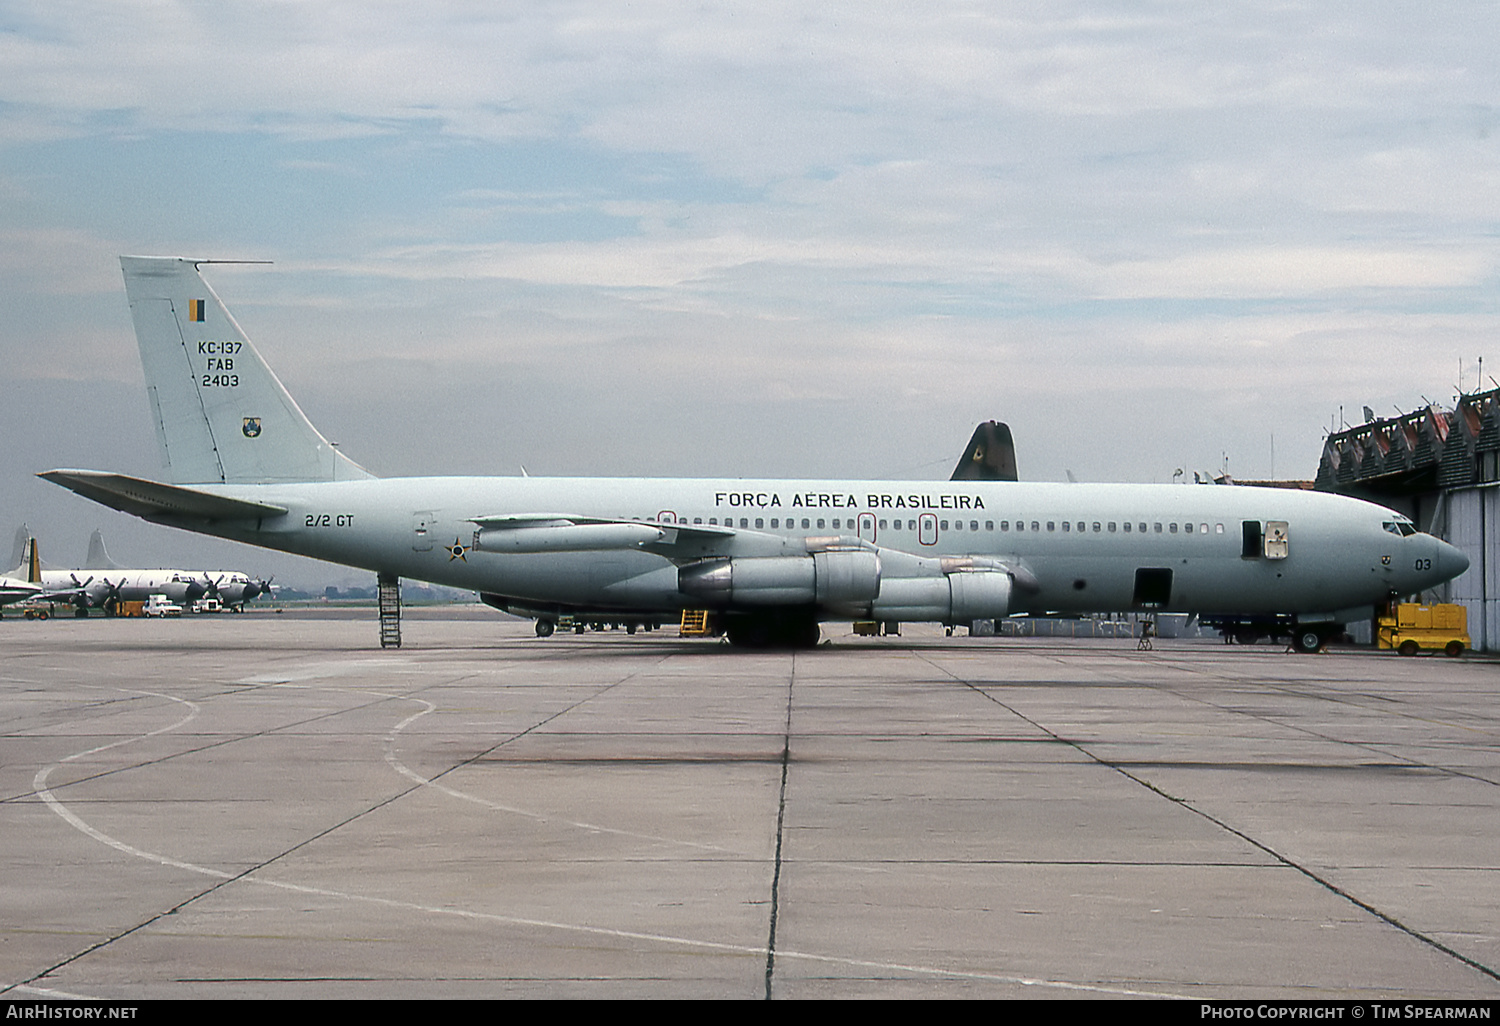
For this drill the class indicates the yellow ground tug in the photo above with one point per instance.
(1409, 627)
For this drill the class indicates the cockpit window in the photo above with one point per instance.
(1399, 527)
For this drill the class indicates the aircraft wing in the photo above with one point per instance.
(566, 532)
(154, 500)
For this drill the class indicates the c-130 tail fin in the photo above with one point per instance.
(221, 415)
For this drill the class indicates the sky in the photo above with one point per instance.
(749, 240)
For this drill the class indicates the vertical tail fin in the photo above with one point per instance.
(991, 455)
(220, 414)
(98, 557)
(18, 551)
(33, 563)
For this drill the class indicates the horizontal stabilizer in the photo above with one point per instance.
(151, 499)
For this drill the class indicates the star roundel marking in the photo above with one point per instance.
(458, 551)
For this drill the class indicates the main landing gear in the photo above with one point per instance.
(776, 629)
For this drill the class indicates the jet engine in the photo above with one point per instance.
(961, 596)
(832, 579)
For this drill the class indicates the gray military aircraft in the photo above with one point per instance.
(772, 558)
(101, 587)
(230, 588)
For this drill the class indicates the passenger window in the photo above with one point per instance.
(1111, 527)
(744, 522)
(697, 520)
(1067, 527)
(989, 525)
(1051, 526)
(1082, 527)
(1005, 525)
(1171, 528)
(1158, 529)
(760, 522)
(973, 525)
(1096, 527)
(1202, 528)
(944, 525)
(820, 523)
(1035, 526)
(805, 523)
(1143, 528)
(882, 525)
(1218, 529)
(713, 520)
(1126, 525)
(958, 525)
(1188, 528)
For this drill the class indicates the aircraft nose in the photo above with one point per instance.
(1450, 561)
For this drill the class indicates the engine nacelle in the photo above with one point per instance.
(833, 579)
(961, 597)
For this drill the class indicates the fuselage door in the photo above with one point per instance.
(422, 526)
(867, 527)
(1153, 588)
(1276, 539)
(927, 529)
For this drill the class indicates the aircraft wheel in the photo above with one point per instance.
(544, 628)
(1307, 641)
(1246, 636)
(1408, 648)
(1454, 649)
(630, 628)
